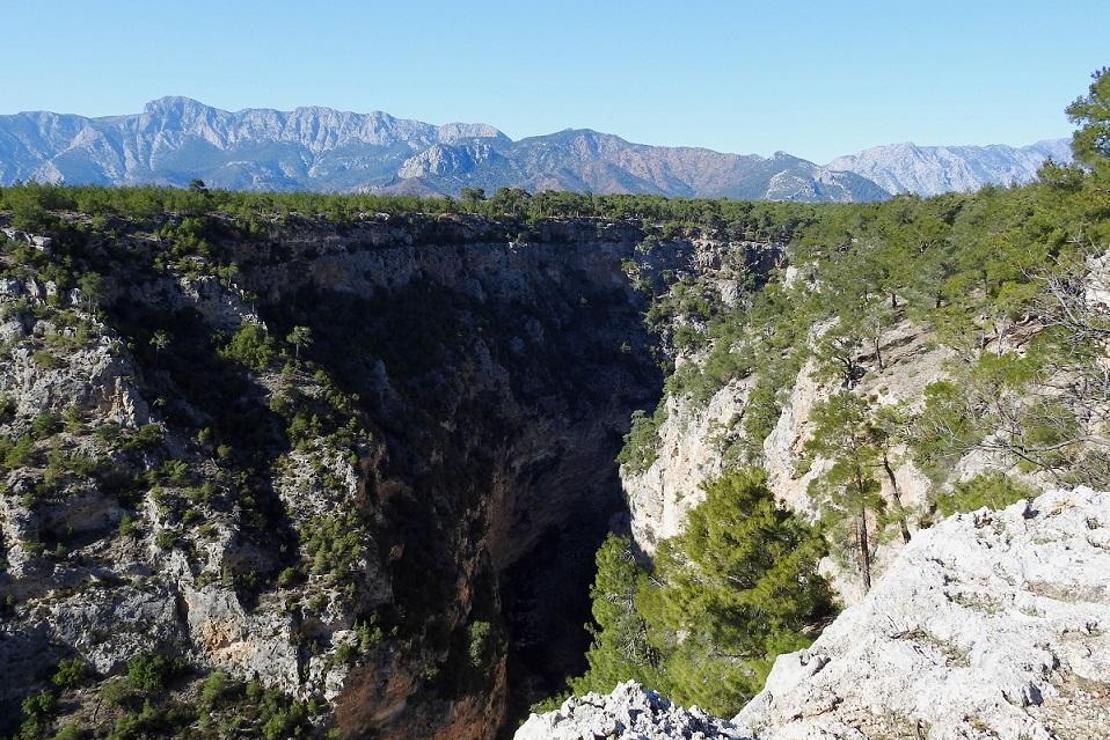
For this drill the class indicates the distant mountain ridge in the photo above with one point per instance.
(931, 170)
(175, 140)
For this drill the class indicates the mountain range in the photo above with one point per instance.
(176, 139)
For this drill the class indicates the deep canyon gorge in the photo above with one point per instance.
(488, 378)
(289, 465)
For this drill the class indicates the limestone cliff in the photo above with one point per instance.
(376, 519)
(692, 444)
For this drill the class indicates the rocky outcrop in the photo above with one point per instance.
(990, 624)
(629, 712)
(687, 454)
(692, 439)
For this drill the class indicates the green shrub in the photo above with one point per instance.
(128, 526)
(250, 346)
(166, 539)
(44, 425)
(15, 454)
(147, 437)
(116, 691)
(70, 674)
(334, 543)
(46, 359)
(479, 643)
(640, 444)
(40, 704)
(68, 731)
(215, 689)
(36, 711)
(149, 673)
(991, 490)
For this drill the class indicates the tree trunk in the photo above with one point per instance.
(861, 527)
(897, 494)
(864, 550)
(879, 352)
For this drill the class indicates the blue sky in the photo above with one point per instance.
(816, 79)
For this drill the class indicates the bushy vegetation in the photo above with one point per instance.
(639, 451)
(990, 490)
(1002, 278)
(721, 601)
(149, 700)
(998, 276)
(35, 207)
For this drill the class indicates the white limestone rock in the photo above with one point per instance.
(629, 712)
(990, 624)
(660, 497)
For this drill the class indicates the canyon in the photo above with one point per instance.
(484, 379)
(275, 473)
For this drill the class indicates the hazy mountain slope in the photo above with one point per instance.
(930, 170)
(586, 160)
(176, 139)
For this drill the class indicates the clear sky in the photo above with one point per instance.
(815, 79)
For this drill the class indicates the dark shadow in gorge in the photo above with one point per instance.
(528, 396)
(546, 598)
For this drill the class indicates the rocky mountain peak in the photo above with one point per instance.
(176, 139)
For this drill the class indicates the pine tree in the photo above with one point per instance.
(736, 589)
(619, 650)
(848, 491)
(1091, 143)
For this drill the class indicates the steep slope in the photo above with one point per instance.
(588, 161)
(932, 170)
(377, 519)
(990, 624)
(176, 139)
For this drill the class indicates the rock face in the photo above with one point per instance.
(629, 712)
(176, 139)
(990, 624)
(691, 441)
(660, 497)
(380, 518)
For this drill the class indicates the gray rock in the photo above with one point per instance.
(989, 622)
(176, 139)
(931, 170)
(629, 712)
(110, 625)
